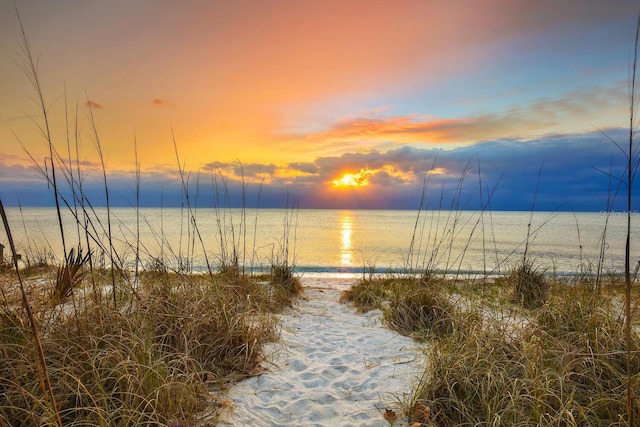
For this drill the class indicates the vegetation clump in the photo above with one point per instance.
(491, 360)
(530, 285)
(421, 311)
(563, 366)
(284, 281)
(368, 294)
(410, 305)
(163, 355)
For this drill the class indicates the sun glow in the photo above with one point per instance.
(359, 179)
(346, 244)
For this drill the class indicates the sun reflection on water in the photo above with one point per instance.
(346, 244)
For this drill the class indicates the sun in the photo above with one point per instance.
(360, 179)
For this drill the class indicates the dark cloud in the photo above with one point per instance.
(254, 170)
(239, 171)
(159, 102)
(93, 104)
(306, 167)
(384, 179)
(218, 166)
(568, 172)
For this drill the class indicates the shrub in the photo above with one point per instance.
(367, 295)
(565, 367)
(530, 286)
(421, 310)
(153, 361)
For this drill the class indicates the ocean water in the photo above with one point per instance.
(338, 242)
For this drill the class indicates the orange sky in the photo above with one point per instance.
(279, 83)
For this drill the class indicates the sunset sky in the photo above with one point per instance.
(330, 104)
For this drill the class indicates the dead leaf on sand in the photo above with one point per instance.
(390, 415)
(421, 412)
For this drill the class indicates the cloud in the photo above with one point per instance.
(304, 167)
(573, 171)
(239, 171)
(95, 105)
(563, 171)
(385, 179)
(159, 102)
(255, 170)
(12, 173)
(569, 112)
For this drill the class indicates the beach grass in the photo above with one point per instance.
(501, 362)
(86, 341)
(166, 354)
(409, 305)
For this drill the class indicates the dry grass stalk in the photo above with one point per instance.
(566, 366)
(41, 362)
(154, 363)
(69, 276)
(530, 285)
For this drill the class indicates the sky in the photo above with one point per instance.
(394, 104)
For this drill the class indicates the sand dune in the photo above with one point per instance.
(332, 367)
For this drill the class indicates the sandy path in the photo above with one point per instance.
(332, 367)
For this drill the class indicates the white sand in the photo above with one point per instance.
(332, 367)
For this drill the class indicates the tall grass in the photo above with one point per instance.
(526, 348)
(283, 257)
(444, 233)
(438, 228)
(565, 366)
(43, 377)
(632, 165)
(169, 341)
(154, 363)
(491, 361)
(154, 355)
(409, 305)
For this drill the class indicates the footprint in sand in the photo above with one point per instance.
(332, 367)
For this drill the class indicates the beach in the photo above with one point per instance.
(332, 366)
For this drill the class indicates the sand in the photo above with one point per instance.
(331, 367)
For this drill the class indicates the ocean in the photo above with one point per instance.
(337, 243)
